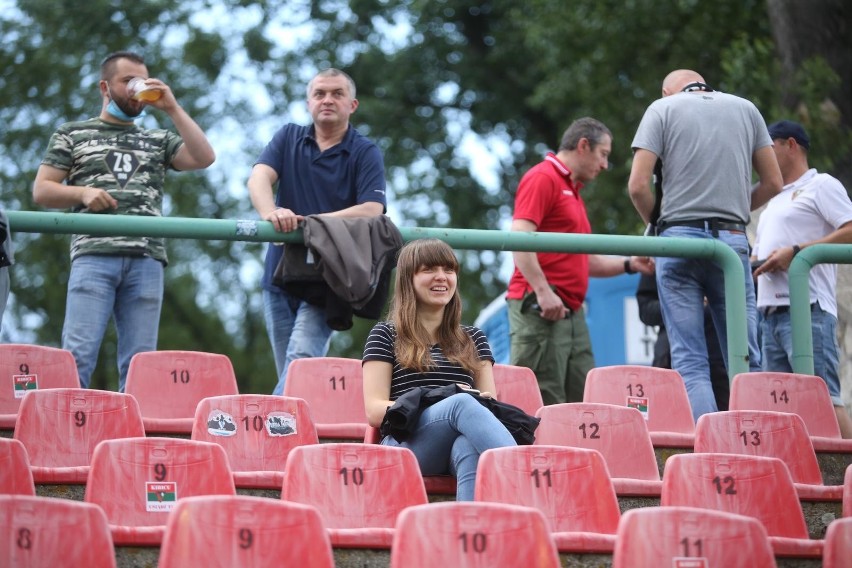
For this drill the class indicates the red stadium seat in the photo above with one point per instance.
(838, 544)
(659, 394)
(61, 427)
(435, 484)
(619, 433)
(31, 367)
(16, 478)
(136, 481)
(169, 385)
(472, 534)
(40, 532)
(257, 432)
(753, 486)
(769, 434)
(847, 492)
(805, 395)
(517, 386)
(570, 486)
(359, 489)
(684, 537)
(249, 532)
(333, 388)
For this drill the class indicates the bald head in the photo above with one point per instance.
(678, 79)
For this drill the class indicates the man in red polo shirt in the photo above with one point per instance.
(546, 292)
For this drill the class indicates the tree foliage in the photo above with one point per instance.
(462, 98)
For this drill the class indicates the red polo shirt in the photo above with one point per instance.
(548, 197)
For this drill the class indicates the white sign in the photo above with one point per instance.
(639, 338)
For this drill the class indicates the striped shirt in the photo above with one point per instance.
(379, 347)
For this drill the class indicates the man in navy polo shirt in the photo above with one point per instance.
(325, 168)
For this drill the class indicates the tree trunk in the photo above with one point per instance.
(804, 29)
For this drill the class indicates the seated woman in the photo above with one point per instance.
(425, 345)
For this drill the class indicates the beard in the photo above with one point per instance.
(125, 106)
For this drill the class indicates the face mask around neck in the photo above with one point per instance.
(114, 110)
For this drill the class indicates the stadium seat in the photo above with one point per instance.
(805, 395)
(136, 481)
(685, 537)
(847, 492)
(472, 534)
(619, 433)
(40, 532)
(759, 487)
(31, 367)
(659, 394)
(358, 489)
(333, 388)
(435, 484)
(61, 428)
(257, 432)
(570, 486)
(518, 386)
(249, 532)
(16, 478)
(838, 544)
(169, 385)
(764, 433)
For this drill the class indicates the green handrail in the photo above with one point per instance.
(468, 239)
(800, 299)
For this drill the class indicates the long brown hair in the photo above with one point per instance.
(412, 346)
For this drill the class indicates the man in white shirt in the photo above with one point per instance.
(812, 208)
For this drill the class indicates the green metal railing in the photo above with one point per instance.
(468, 239)
(800, 300)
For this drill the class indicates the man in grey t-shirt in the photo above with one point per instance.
(708, 143)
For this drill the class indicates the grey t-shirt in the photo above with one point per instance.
(706, 141)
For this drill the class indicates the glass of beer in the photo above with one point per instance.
(142, 92)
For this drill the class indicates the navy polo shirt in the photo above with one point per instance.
(311, 182)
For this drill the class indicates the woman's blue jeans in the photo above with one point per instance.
(449, 438)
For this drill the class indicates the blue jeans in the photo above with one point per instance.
(777, 335)
(296, 329)
(449, 438)
(130, 289)
(683, 285)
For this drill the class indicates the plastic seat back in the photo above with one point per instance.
(746, 485)
(169, 385)
(244, 531)
(659, 394)
(31, 367)
(619, 433)
(685, 537)
(257, 432)
(518, 386)
(61, 428)
(847, 492)
(354, 485)
(805, 395)
(570, 486)
(472, 534)
(761, 433)
(137, 481)
(16, 478)
(40, 532)
(333, 388)
(838, 544)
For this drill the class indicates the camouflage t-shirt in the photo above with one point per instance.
(128, 162)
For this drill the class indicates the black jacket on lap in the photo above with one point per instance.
(401, 418)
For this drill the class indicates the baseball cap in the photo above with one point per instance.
(785, 129)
